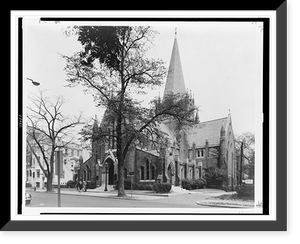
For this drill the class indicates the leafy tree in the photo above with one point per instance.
(216, 177)
(113, 67)
(248, 139)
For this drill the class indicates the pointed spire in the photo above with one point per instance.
(175, 82)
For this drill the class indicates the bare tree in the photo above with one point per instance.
(48, 129)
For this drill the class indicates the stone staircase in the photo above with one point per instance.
(178, 189)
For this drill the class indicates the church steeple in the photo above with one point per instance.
(175, 82)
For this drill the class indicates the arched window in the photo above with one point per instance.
(152, 172)
(147, 170)
(142, 173)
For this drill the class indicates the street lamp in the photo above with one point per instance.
(34, 82)
(106, 171)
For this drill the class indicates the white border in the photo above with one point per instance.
(148, 14)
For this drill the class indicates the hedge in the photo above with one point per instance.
(162, 187)
(245, 190)
(193, 184)
(156, 187)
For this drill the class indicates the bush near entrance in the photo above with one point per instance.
(162, 187)
(193, 184)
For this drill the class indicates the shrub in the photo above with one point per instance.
(245, 190)
(91, 185)
(193, 184)
(162, 187)
(71, 184)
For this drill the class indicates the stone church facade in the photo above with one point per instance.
(192, 151)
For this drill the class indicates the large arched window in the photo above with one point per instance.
(147, 171)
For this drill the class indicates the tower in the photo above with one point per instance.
(175, 81)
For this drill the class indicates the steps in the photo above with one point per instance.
(178, 189)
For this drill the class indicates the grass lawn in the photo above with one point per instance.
(235, 197)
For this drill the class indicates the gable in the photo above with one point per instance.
(209, 130)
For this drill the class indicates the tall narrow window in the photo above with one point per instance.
(142, 173)
(147, 170)
(152, 172)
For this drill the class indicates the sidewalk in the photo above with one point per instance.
(111, 193)
(208, 195)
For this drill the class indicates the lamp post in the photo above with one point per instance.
(34, 82)
(106, 171)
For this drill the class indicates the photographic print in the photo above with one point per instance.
(144, 119)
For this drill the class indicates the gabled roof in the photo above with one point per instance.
(208, 130)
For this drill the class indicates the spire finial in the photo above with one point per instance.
(175, 32)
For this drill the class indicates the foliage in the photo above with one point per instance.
(162, 187)
(142, 186)
(216, 177)
(248, 140)
(190, 184)
(245, 190)
(71, 184)
(91, 185)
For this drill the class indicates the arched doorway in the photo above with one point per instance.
(111, 171)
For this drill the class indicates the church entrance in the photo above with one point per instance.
(111, 171)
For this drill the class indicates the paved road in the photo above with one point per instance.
(43, 199)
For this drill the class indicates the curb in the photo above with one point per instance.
(223, 205)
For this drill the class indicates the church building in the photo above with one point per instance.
(193, 151)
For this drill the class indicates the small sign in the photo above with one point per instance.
(249, 181)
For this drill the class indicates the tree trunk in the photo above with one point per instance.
(121, 189)
(49, 183)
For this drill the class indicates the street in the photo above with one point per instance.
(43, 199)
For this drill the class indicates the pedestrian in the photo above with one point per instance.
(79, 185)
(84, 186)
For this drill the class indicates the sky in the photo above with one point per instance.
(221, 62)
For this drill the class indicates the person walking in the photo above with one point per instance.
(79, 185)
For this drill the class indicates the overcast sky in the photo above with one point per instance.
(221, 64)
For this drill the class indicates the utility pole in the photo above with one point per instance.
(58, 172)
(241, 163)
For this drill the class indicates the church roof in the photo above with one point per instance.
(208, 130)
(175, 82)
